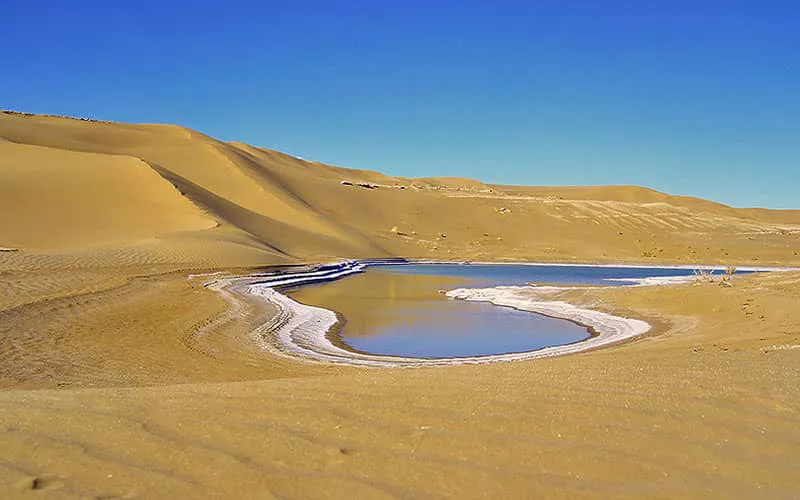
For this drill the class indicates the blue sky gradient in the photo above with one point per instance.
(689, 97)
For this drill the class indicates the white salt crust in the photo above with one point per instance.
(301, 331)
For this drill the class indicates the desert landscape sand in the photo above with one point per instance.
(123, 375)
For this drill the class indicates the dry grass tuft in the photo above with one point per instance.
(707, 276)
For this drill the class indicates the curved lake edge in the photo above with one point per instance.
(301, 332)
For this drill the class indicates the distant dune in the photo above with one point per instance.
(134, 182)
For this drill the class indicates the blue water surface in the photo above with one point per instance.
(424, 325)
(515, 274)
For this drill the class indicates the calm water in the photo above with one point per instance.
(510, 274)
(398, 310)
(448, 329)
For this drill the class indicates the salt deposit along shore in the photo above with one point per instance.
(301, 331)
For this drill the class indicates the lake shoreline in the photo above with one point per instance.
(304, 333)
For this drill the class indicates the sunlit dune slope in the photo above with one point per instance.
(291, 209)
(54, 198)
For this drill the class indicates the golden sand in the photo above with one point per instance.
(124, 376)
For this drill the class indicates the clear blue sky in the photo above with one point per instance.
(689, 97)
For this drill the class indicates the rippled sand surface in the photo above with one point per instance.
(706, 405)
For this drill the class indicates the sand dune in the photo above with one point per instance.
(299, 210)
(123, 375)
(62, 199)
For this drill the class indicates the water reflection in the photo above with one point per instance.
(397, 313)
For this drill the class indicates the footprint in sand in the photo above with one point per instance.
(42, 482)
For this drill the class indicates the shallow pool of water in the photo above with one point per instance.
(398, 310)
(449, 329)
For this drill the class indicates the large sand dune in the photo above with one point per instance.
(299, 210)
(123, 375)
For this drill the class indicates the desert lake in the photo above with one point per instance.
(399, 310)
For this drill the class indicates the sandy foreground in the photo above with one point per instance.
(706, 405)
(121, 375)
